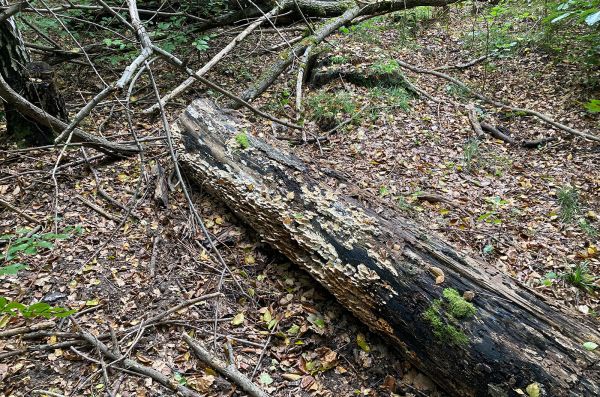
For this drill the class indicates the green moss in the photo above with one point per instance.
(441, 329)
(444, 313)
(242, 140)
(458, 306)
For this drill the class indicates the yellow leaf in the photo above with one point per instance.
(238, 319)
(92, 302)
(204, 256)
(362, 343)
(53, 339)
(249, 260)
(533, 390)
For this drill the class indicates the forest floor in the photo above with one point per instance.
(489, 198)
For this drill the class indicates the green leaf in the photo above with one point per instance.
(293, 330)
(265, 379)
(180, 378)
(561, 17)
(45, 244)
(16, 248)
(12, 269)
(593, 106)
(590, 346)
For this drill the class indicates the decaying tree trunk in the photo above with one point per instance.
(33, 81)
(473, 330)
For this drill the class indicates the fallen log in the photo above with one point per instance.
(472, 329)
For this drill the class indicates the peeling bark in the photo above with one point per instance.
(384, 269)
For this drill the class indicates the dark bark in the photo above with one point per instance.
(33, 81)
(386, 270)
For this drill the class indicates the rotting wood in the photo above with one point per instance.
(379, 267)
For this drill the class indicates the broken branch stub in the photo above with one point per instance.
(497, 338)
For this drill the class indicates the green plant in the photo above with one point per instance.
(394, 96)
(20, 245)
(457, 91)
(471, 154)
(385, 66)
(580, 277)
(39, 309)
(593, 106)
(326, 106)
(339, 59)
(492, 215)
(549, 279)
(568, 199)
(201, 43)
(588, 228)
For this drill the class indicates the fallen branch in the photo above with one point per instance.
(180, 89)
(496, 133)
(39, 116)
(26, 329)
(227, 370)
(499, 134)
(11, 207)
(179, 63)
(472, 114)
(97, 209)
(140, 369)
(499, 104)
(464, 65)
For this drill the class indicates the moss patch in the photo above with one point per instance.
(458, 306)
(443, 315)
(242, 140)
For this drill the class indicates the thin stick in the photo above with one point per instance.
(181, 88)
(139, 368)
(227, 370)
(26, 329)
(499, 104)
(177, 62)
(97, 209)
(11, 207)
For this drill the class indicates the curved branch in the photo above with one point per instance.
(39, 116)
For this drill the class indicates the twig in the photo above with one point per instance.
(27, 329)
(40, 116)
(299, 81)
(474, 121)
(464, 65)
(11, 207)
(181, 88)
(155, 243)
(138, 368)
(499, 104)
(179, 63)
(228, 371)
(46, 392)
(97, 209)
